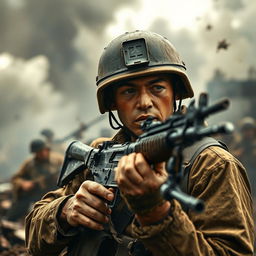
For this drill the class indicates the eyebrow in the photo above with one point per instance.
(153, 81)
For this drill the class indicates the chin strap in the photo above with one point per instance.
(112, 119)
(175, 104)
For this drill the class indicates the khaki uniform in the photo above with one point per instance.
(44, 175)
(224, 228)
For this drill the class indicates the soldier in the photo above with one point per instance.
(36, 176)
(245, 151)
(141, 75)
(245, 148)
(56, 146)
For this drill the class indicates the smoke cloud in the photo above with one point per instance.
(48, 62)
(49, 52)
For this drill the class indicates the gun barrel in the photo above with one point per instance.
(225, 128)
(219, 106)
(188, 201)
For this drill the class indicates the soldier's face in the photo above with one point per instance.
(137, 99)
(43, 154)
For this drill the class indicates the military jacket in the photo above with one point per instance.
(224, 228)
(43, 173)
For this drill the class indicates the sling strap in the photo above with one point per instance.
(191, 153)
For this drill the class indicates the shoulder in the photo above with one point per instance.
(216, 171)
(56, 157)
(215, 156)
(55, 154)
(29, 162)
(215, 164)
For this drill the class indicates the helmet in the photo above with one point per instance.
(139, 53)
(47, 133)
(247, 123)
(37, 145)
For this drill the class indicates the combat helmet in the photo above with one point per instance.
(37, 145)
(136, 54)
(48, 133)
(247, 123)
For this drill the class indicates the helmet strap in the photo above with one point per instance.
(180, 102)
(175, 103)
(111, 118)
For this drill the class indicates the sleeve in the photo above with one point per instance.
(44, 235)
(224, 228)
(22, 174)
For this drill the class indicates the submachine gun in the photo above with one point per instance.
(161, 141)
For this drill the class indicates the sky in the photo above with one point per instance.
(49, 52)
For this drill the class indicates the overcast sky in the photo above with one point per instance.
(49, 51)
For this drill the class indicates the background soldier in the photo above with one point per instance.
(36, 176)
(141, 75)
(54, 144)
(245, 151)
(245, 148)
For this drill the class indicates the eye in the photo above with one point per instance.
(158, 88)
(128, 91)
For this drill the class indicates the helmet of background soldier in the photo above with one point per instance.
(247, 123)
(135, 54)
(37, 145)
(48, 133)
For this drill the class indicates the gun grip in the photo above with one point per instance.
(116, 200)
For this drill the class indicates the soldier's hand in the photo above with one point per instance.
(140, 188)
(135, 176)
(27, 185)
(88, 206)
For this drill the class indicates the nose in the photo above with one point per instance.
(144, 101)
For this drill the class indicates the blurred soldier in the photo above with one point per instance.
(245, 149)
(36, 176)
(55, 145)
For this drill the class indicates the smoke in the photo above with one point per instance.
(48, 62)
(185, 43)
(50, 28)
(53, 48)
(227, 20)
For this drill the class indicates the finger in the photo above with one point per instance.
(87, 222)
(128, 188)
(131, 172)
(160, 168)
(88, 196)
(98, 190)
(91, 213)
(125, 185)
(85, 198)
(143, 167)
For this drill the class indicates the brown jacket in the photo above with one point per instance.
(42, 173)
(224, 228)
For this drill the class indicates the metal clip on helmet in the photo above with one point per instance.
(135, 54)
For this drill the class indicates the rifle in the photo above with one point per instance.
(161, 141)
(77, 133)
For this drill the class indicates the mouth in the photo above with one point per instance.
(143, 118)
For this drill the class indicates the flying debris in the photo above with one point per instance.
(209, 27)
(223, 44)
